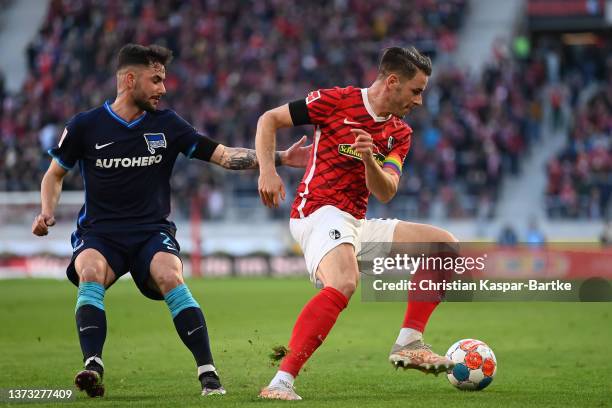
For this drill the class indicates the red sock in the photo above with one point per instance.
(417, 314)
(421, 303)
(312, 326)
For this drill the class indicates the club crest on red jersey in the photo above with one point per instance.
(313, 96)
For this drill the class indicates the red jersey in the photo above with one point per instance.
(335, 174)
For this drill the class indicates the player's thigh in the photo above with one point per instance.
(92, 266)
(416, 239)
(156, 267)
(166, 271)
(319, 236)
(376, 238)
(338, 268)
(412, 232)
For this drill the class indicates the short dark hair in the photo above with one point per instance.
(136, 54)
(403, 61)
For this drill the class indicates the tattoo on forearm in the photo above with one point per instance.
(238, 158)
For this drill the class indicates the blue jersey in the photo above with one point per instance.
(126, 166)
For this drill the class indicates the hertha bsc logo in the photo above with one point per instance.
(155, 141)
(334, 234)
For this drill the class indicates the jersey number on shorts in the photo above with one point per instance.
(168, 242)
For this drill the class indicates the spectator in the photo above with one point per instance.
(534, 236)
(507, 237)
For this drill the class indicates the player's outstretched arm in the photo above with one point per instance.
(382, 183)
(240, 158)
(270, 185)
(50, 190)
(234, 158)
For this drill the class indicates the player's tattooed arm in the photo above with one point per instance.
(239, 158)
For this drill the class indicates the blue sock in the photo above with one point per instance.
(91, 319)
(178, 299)
(190, 324)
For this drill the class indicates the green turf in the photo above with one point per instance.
(549, 354)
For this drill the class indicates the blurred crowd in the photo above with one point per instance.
(235, 59)
(580, 176)
(474, 132)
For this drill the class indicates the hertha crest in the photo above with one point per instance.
(155, 141)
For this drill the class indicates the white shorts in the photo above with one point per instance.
(328, 227)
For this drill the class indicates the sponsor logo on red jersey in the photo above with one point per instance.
(345, 149)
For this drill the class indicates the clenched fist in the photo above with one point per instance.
(41, 224)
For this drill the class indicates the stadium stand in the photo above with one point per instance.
(473, 133)
(579, 177)
(224, 76)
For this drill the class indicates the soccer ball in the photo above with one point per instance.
(475, 364)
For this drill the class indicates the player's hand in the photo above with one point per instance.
(41, 224)
(297, 155)
(364, 143)
(271, 189)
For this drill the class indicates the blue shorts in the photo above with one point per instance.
(126, 252)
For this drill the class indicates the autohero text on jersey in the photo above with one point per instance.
(128, 161)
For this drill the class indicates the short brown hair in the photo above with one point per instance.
(135, 54)
(403, 61)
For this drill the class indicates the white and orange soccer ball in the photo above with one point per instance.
(475, 365)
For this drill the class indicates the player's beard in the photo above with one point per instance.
(144, 104)
(141, 100)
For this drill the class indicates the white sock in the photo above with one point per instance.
(206, 368)
(407, 336)
(95, 359)
(282, 375)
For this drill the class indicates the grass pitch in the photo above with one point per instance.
(549, 354)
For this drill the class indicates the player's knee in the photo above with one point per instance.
(448, 237)
(92, 273)
(166, 271)
(169, 279)
(441, 236)
(347, 286)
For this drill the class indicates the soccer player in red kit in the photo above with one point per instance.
(360, 143)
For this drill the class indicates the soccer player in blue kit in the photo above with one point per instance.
(126, 151)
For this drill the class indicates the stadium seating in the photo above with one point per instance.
(579, 180)
(232, 64)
